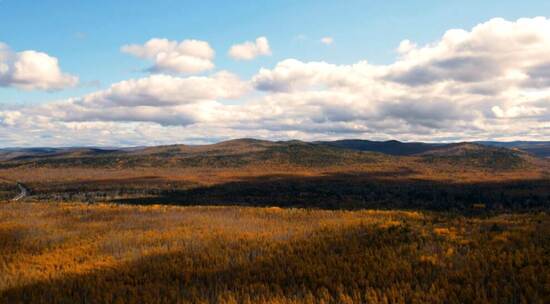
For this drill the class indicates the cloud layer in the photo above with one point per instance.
(32, 70)
(491, 82)
(187, 56)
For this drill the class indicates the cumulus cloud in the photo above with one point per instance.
(187, 56)
(538, 76)
(163, 90)
(327, 40)
(490, 82)
(249, 50)
(32, 70)
(163, 99)
(292, 74)
(494, 50)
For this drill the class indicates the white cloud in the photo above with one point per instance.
(187, 56)
(9, 118)
(496, 50)
(487, 83)
(519, 111)
(163, 99)
(162, 90)
(292, 74)
(32, 70)
(250, 50)
(327, 40)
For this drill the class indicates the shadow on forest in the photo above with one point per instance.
(386, 190)
(361, 261)
(327, 259)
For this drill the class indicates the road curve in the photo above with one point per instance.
(23, 194)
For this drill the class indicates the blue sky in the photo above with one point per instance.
(86, 36)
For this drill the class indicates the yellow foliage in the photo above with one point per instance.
(104, 253)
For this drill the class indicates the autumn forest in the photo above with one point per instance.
(250, 221)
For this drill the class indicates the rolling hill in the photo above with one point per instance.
(229, 154)
(341, 174)
(537, 148)
(251, 151)
(478, 156)
(392, 147)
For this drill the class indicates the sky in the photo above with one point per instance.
(128, 73)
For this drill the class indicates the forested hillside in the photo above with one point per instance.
(292, 173)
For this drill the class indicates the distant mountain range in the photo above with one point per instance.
(391, 147)
(354, 173)
(539, 149)
(394, 147)
(296, 154)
